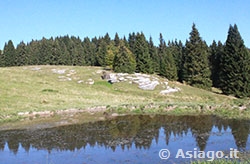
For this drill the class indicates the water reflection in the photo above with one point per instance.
(127, 132)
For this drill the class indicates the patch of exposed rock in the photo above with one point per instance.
(144, 81)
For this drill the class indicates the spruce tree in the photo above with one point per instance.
(176, 49)
(216, 50)
(21, 52)
(124, 60)
(143, 60)
(196, 71)
(9, 54)
(167, 64)
(1, 59)
(235, 67)
(117, 40)
(112, 50)
(89, 52)
(154, 56)
(77, 53)
(101, 52)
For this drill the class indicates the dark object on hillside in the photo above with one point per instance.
(105, 75)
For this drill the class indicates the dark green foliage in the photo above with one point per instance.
(101, 52)
(124, 60)
(9, 54)
(196, 71)
(216, 51)
(77, 54)
(167, 64)
(176, 49)
(1, 59)
(143, 60)
(154, 56)
(235, 67)
(21, 52)
(89, 52)
(117, 40)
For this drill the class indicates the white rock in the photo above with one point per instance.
(169, 90)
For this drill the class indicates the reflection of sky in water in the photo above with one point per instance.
(218, 140)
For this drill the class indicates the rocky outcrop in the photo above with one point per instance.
(144, 81)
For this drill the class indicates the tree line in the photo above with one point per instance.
(225, 66)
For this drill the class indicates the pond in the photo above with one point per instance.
(125, 139)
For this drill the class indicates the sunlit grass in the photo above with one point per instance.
(27, 89)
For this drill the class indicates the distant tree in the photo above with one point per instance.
(167, 64)
(101, 52)
(112, 50)
(9, 54)
(64, 55)
(154, 56)
(216, 51)
(89, 52)
(77, 53)
(117, 40)
(21, 52)
(176, 49)
(143, 60)
(196, 71)
(131, 42)
(235, 67)
(1, 59)
(124, 60)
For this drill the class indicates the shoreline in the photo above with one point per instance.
(48, 119)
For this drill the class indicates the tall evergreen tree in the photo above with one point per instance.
(216, 51)
(154, 56)
(117, 40)
(176, 49)
(235, 67)
(131, 42)
(167, 64)
(89, 52)
(112, 50)
(143, 60)
(196, 71)
(124, 60)
(9, 54)
(77, 52)
(101, 52)
(1, 59)
(21, 52)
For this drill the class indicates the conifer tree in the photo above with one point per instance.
(143, 60)
(216, 50)
(21, 52)
(9, 54)
(154, 56)
(124, 60)
(196, 71)
(235, 67)
(117, 40)
(112, 50)
(89, 52)
(1, 59)
(167, 65)
(176, 49)
(77, 52)
(131, 42)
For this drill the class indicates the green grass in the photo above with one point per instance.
(23, 89)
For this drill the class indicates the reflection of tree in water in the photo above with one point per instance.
(123, 131)
(240, 131)
(201, 128)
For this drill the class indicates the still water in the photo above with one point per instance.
(125, 139)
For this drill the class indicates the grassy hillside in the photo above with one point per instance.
(51, 88)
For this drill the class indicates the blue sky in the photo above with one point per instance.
(24, 20)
